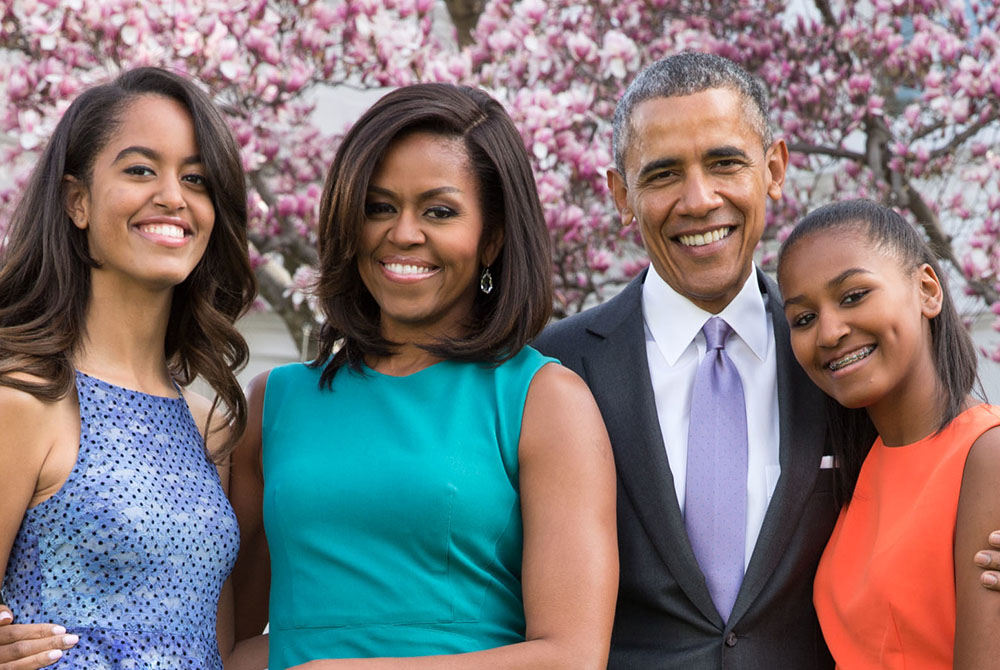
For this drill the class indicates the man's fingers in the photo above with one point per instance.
(987, 560)
(995, 539)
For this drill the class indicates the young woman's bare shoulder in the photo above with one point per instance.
(29, 424)
(201, 407)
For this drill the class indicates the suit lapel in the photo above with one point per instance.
(802, 427)
(618, 374)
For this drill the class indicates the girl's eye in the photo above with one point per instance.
(376, 208)
(802, 320)
(139, 170)
(440, 212)
(854, 296)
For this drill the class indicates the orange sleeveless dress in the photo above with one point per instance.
(885, 587)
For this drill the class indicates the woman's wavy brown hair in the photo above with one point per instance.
(45, 266)
(503, 321)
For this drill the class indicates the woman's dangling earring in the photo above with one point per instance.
(486, 281)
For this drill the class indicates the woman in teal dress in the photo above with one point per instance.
(435, 493)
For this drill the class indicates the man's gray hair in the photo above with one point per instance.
(687, 74)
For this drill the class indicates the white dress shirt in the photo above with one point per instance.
(675, 346)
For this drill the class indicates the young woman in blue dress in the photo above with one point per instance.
(436, 494)
(124, 270)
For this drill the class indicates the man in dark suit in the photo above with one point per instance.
(695, 165)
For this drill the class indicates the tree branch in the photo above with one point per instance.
(961, 137)
(465, 15)
(812, 149)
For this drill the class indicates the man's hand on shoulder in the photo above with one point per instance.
(989, 561)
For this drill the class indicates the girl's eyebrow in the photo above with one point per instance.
(836, 281)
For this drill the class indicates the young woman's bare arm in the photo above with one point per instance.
(38, 445)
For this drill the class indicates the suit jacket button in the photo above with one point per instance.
(731, 640)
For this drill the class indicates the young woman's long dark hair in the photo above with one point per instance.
(851, 430)
(45, 266)
(502, 321)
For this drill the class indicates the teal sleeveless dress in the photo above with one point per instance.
(392, 510)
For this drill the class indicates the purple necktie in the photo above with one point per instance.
(715, 498)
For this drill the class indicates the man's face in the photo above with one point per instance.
(697, 180)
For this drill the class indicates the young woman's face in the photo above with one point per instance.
(858, 318)
(147, 209)
(421, 250)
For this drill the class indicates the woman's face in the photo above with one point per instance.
(859, 320)
(147, 209)
(421, 250)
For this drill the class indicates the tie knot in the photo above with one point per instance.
(716, 331)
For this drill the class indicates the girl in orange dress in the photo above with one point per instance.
(874, 326)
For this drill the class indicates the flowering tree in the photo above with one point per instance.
(898, 100)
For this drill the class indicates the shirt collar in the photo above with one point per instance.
(674, 321)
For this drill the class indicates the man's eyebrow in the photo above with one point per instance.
(836, 281)
(726, 152)
(658, 164)
(713, 153)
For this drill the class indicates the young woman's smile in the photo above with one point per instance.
(147, 208)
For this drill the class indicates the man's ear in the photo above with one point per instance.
(77, 201)
(619, 191)
(777, 165)
(931, 292)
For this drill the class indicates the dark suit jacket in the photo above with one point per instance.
(665, 616)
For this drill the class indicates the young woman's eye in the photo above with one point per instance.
(196, 179)
(853, 297)
(139, 170)
(376, 208)
(440, 212)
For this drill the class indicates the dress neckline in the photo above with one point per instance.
(103, 382)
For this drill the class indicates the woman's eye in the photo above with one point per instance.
(440, 212)
(376, 208)
(139, 170)
(853, 297)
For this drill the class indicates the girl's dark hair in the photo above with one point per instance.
(503, 321)
(45, 266)
(851, 430)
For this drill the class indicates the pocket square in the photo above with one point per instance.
(827, 463)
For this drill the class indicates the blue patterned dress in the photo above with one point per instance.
(132, 552)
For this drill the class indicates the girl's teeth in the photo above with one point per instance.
(853, 358)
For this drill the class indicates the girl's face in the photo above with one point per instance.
(147, 210)
(859, 320)
(421, 248)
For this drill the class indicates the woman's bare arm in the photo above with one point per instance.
(570, 563)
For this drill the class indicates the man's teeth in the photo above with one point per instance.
(700, 240)
(401, 269)
(852, 358)
(164, 230)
